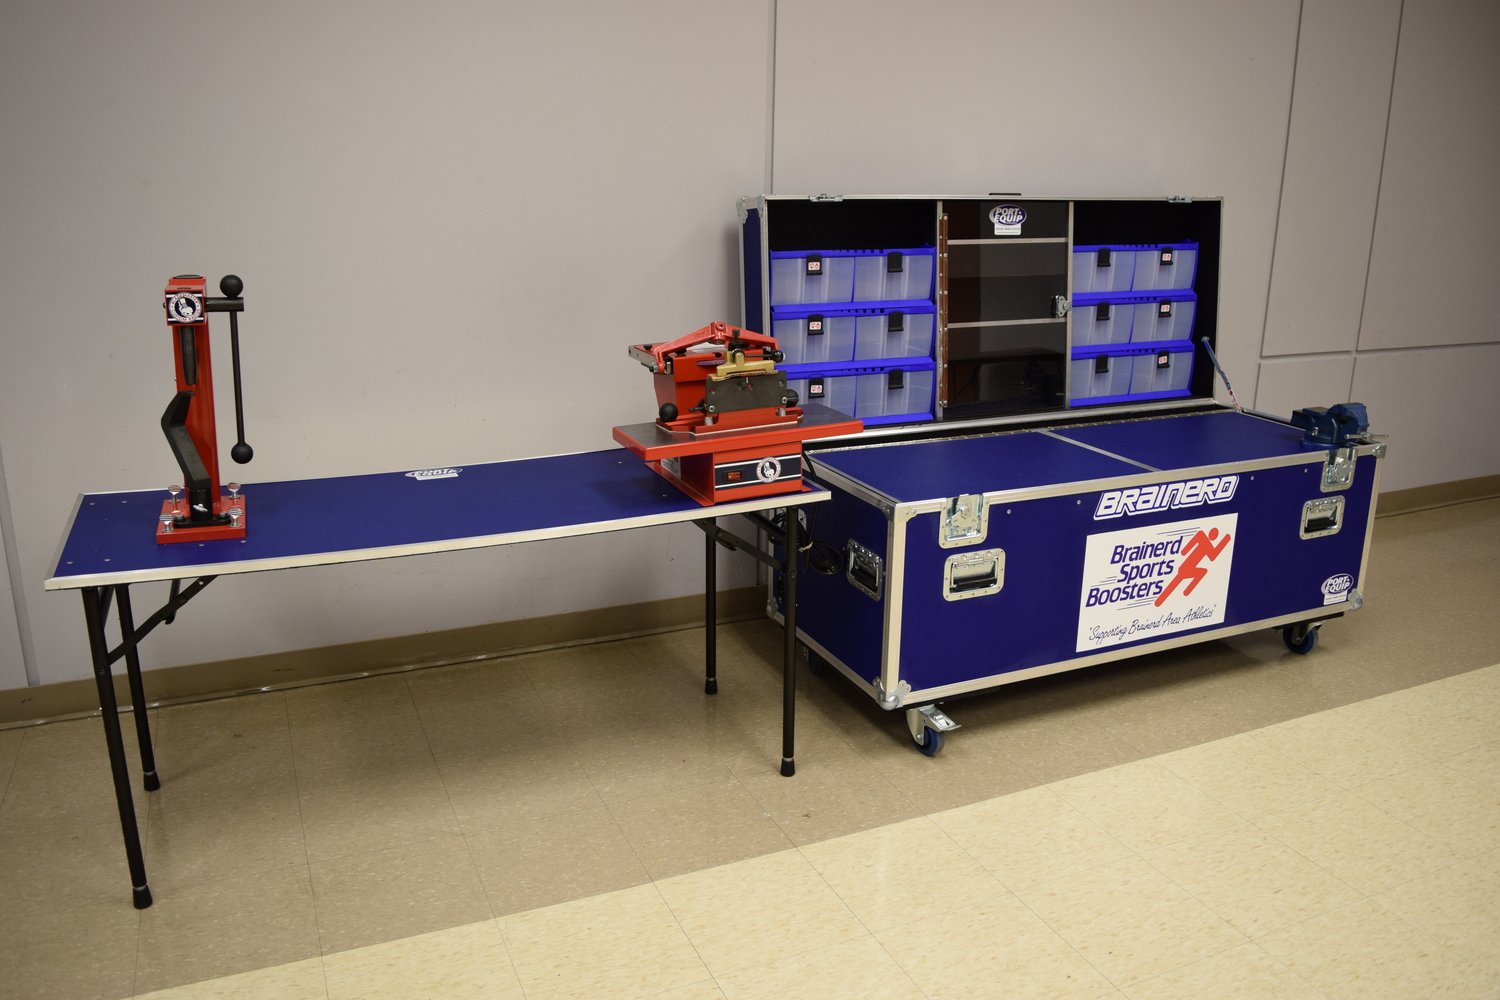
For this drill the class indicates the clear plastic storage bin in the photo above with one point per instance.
(1164, 319)
(894, 393)
(1098, 323)
(1161, 371)
(834, 391)
(799, 277)
(814, 338)
(1103, 268)
(1096, 378)
(893, 275)
(893, 333)
(1165, 266)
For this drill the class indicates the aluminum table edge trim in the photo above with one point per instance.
(59, 582)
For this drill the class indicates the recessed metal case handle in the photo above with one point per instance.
(1324, 516)
(865, 570)
(973, 574)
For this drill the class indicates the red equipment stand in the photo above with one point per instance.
(728, 427)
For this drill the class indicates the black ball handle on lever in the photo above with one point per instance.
(233, 303)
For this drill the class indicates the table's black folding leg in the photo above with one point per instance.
(137, 689)
(789, 650)
(93, 613)
(710, 607)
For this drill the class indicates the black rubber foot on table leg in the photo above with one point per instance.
(711, 686)
(151, 781)
(142, 897)
(788, 767)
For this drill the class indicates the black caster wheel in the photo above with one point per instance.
(932, 743)
(1299, 640)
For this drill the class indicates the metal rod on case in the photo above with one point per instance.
(1220, 369)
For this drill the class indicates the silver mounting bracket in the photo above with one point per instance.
(965, 521)
(928, 717)
(891, 699)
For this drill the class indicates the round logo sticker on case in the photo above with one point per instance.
(1008, 219)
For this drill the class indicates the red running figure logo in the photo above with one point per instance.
(1198, 548)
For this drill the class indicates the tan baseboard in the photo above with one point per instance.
(310, 666)
(1438, 495)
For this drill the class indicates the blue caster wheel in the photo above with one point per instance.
(932, 743)
(1299, 640)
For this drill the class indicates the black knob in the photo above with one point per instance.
(231, 286)
(791, 397)
(242, 452)
(667, 413)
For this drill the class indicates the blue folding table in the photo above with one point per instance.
(110, 544)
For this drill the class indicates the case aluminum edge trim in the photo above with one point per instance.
(924, 696)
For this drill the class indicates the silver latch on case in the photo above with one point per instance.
(1338, 471)
(966, 520)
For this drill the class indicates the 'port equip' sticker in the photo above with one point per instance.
(1008, 219)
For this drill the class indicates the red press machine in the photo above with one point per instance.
(209, 511)
(727, 427)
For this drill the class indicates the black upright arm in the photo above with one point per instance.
(194, 472)
(234, 304)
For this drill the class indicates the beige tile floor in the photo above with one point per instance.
(1227, 820)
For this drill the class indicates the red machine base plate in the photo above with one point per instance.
(733, 465)
(208, 533)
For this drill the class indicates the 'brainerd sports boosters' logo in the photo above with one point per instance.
(1149, 582)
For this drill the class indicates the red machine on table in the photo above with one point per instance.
(188, 422)
(727, 427)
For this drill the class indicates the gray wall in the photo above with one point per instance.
(452, 217)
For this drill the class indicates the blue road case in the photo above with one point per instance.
(976, 561)
(1073, 495)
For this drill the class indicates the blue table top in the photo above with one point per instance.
(947, 467)
(931, 469)
(1188, 441)
(310, 522)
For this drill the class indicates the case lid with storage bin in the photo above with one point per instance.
(1007, 279)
